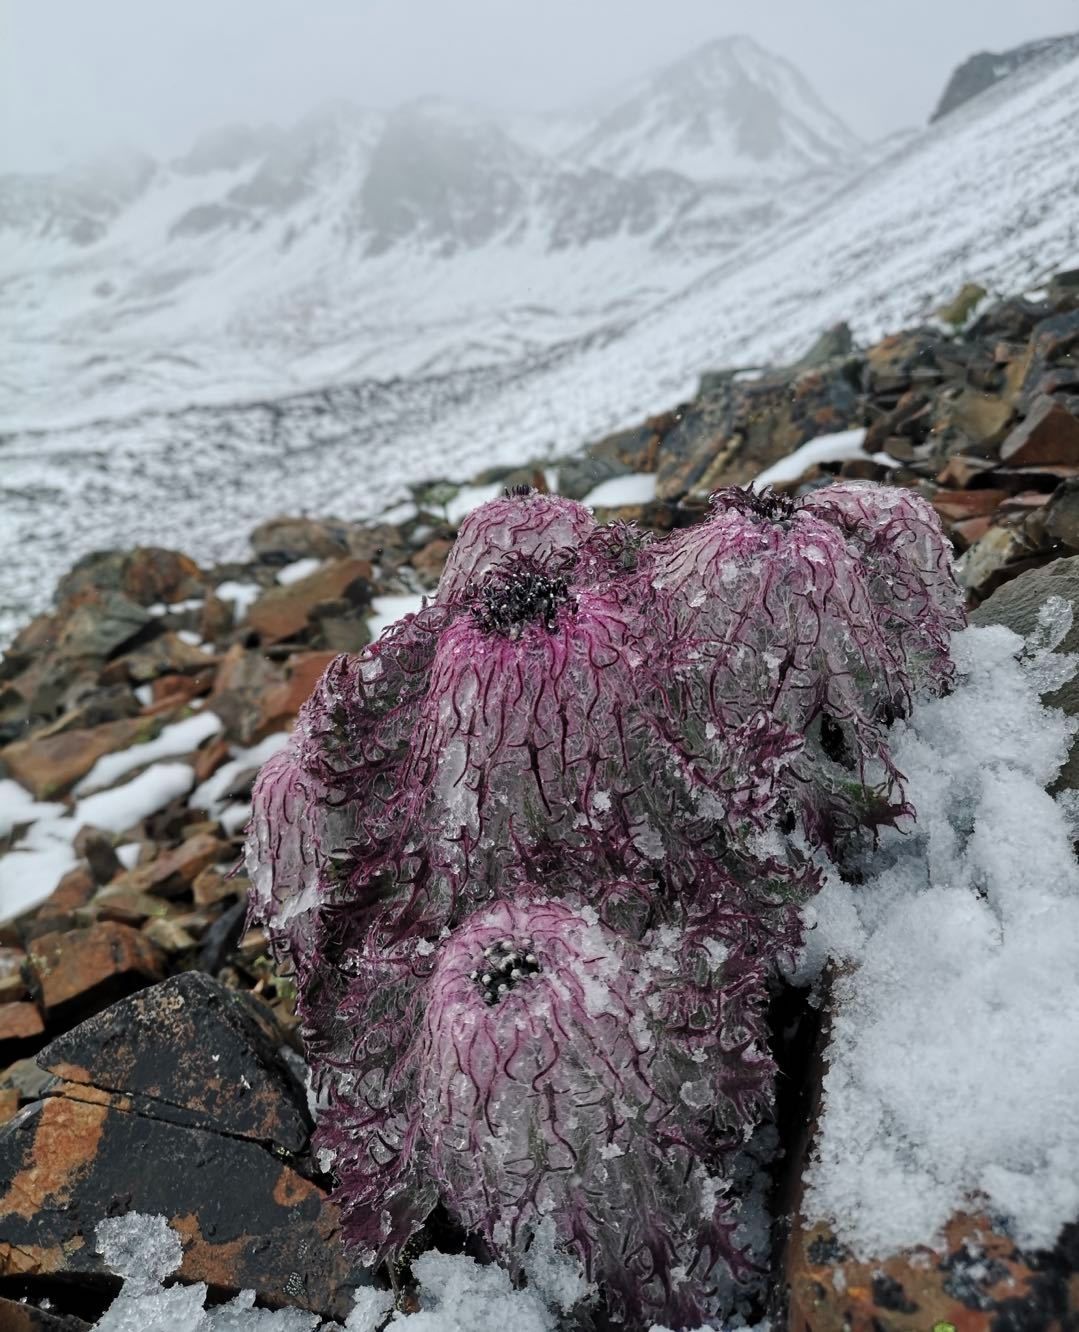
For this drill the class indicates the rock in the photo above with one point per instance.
(578, 477)
(281, 703)
(1062, 515)
(246, 1219)
(82, 971)
(173, 872)
(194, 1052)
(12, 980)
(958, 310)
(147, 575)
(835, 343)
(100, 625)
(1064, 288)
(900, 360)
(237, 697)
(48, 765)
(1049, 434)
(73, 891)
(1016, 605)
(1052, 362)
(1003, 553)
(339, 626)
(96, 848)
(123, 904)
(16, 1316)
(216, 620)
(638, 448)
(283, 612)
(981, 1282)
(213, 755)
(959, 504)
(728, 438)
(428, 561)
(982, 420)
(168, 654)
(961, 471)
(907, 423)
(212, 886)
(285, 540)
(21, 1030)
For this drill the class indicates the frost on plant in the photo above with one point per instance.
(535, 854)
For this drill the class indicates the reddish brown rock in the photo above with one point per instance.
(174, 871)
(85, 970)
(960, 471)
(210, 757)
(981, 1283)
(281, 703)
(970, 530)
(429, 560)
(49, 765)
(21, 1028)
(1048, 434)
(212, 886)
(283, 612)
(147, 574)
(74, 890)
(243, 679)
(960, 504)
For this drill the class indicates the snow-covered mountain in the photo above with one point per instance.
(385, 394)
(367, 243)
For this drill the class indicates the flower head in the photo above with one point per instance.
(545, 1066)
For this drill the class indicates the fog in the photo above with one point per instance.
(78, 77)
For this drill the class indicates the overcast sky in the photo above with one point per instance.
(77, 76)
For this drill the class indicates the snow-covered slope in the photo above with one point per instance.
(358, 242)
(989, 193)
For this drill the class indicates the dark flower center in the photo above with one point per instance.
(522, 595)
(501, 969)
(765, 503)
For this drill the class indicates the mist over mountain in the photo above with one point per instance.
(268, 256)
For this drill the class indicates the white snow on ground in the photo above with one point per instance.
(456, 1293)
(388, 610)
(637, 489)
(182, 737)
(241, 595)
(30, 871)
(212, 794)
(825, 448)
(292, 573)
(469, 498)
(953, 1076)
(18, 806)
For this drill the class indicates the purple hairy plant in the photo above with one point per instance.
(534, 854)
(536, 1063)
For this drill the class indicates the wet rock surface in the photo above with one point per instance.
(177, 1102)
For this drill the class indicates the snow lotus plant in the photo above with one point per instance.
(534, 854)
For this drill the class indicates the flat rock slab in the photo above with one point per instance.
(85, 970)
(190, 1045)
(246, 1220)
(982, 1282)
(18, 1317)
